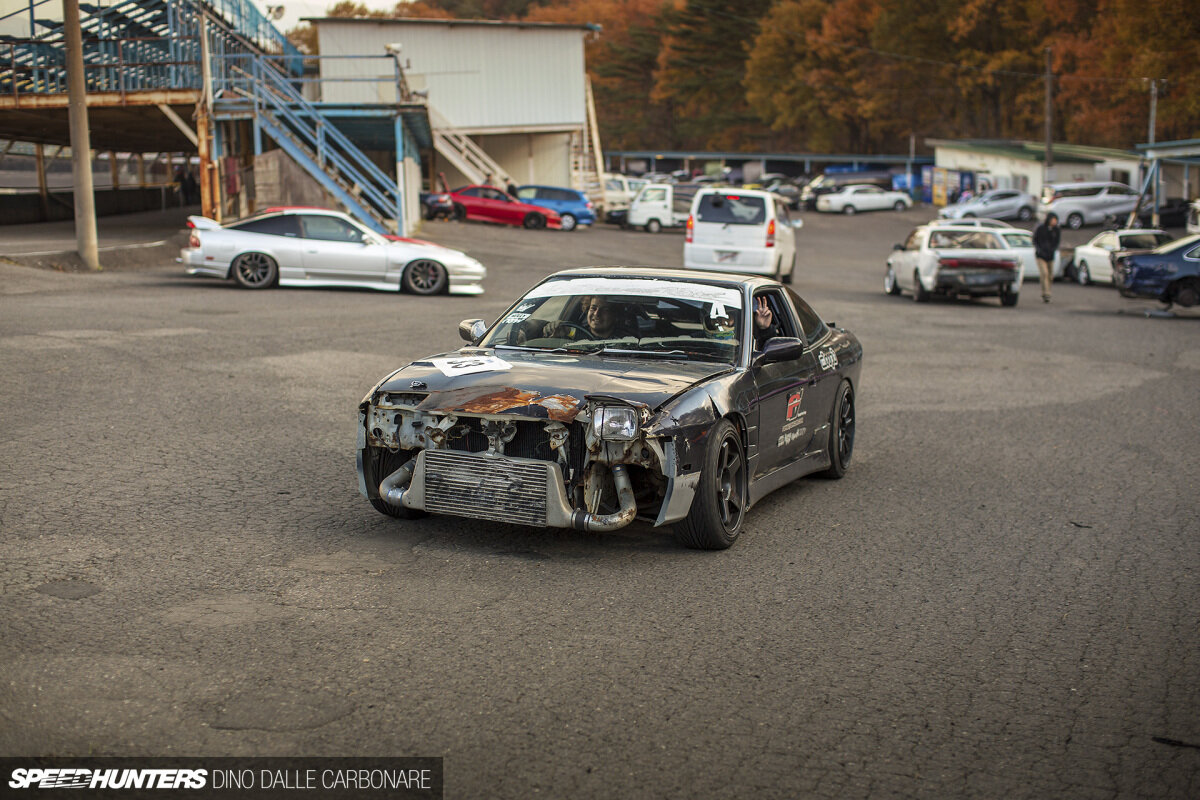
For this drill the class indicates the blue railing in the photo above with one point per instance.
(250, 80)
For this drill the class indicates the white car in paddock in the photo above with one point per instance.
(963, 261)
(1094, 261)
(296, 246)
(1021, 243)
(861, 197)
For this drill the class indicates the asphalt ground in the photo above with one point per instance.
(998, 600)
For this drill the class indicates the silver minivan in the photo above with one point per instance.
(1079, 204)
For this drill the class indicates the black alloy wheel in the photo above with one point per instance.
(534, 221)
(841, 432)
(719, 507)
(255, 271)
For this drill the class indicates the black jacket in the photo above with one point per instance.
(1045, 241)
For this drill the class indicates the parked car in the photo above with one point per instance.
(832, 181)
(741, 230)
(995, 204)
(489, 204)
(971, 222)
(318, 247)
(1172, 213)
(661, 205)
(954, 261)
(854, 198)
(572, 206)
(787, 190)
(687, 413)
(437, 204)
(1094, 261)
(619, 191)
(1169, 273)
(1079, 204)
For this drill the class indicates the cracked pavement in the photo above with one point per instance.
(999, 600)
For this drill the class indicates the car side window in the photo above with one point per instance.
(782, 323)
(281, 225)
(471, 192)
(811, 324)
(330, 229)
(528, 193)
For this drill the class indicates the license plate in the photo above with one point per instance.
(724, 256)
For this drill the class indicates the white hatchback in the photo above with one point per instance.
(741, 230)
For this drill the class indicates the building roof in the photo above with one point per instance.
(1036, 151)
(589, 27)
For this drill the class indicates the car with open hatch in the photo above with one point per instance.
(949, 261)
(609, 394)
(301, 246)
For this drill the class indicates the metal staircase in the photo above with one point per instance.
(466, 156)
(250, 86)
(586, 172)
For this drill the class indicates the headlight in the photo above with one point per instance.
(615, 423)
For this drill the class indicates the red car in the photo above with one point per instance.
(489, 204)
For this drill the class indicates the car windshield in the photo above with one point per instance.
(731, 209)
(627, 317)
(1144, 241)
(1171, 247)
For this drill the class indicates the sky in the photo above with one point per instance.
(293, 10)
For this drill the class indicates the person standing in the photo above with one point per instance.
(1045, 245)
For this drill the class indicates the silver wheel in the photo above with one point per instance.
(424, 277)
(653, 226)
(849, 210)
(1082, 274)
(255, 270)
(569, 222)
(1075, 221)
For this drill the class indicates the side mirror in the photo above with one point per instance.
(898, 247)
(780, 348)
(472, 330)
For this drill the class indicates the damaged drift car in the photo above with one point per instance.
(606, 395)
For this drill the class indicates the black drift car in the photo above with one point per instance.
(606, 395)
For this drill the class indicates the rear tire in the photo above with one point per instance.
(920, 293)
(1075, 221)
(533, 222)
(569, 222)
(255, 271)
(899, 206)
(791, 273)
(889, 282)
(1008, 298)
(849, 210)
(653, 226)
(841, 432)
(719, 507)
(1025, 214)
(1186, 293)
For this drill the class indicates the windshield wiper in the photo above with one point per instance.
(620, 351)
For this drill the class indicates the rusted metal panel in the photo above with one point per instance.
(504, 400)
(102, 99)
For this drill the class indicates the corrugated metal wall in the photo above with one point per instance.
(477, 76)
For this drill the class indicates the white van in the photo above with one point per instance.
(661, 205)
(741, 230)
(619, 190)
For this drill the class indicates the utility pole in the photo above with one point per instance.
(81, 145)
(1049, 121)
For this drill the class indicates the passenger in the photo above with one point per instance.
(764, 323)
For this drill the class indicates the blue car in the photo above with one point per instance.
(1169, 273)
(572, 205)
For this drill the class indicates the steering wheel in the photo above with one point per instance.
(583, 330)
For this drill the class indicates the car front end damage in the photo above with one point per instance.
(592, 463)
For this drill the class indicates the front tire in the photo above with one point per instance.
(719, 507)
(255, 271)
(1082, 274)
(1025, 214)
(841, 432)
(569, 222)
(889, 282)
(533, 222)
(460, 212)
(378, 463)
(899, 206)
(653, 226)
(425, 277)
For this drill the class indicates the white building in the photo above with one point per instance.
(516, 89)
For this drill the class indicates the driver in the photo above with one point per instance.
(604, 320)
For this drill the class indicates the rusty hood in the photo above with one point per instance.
(544, 385)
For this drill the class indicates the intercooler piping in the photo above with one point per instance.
(391, 489)
(602, 523)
